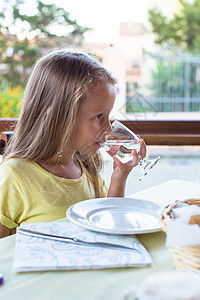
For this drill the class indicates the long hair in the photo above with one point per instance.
(56, 88)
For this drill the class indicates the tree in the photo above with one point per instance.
(24, 37)
(183, 30)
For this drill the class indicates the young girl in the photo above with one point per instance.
(52, 160)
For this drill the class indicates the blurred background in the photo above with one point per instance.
(152, 47)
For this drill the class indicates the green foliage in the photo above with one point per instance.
(168, 80)
(183, 30)
(49, 16)
(139, 108)
(24, 55)
(175, 79)
(46, 28)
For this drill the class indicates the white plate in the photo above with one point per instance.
(116, 215)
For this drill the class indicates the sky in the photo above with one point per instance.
(104, 15)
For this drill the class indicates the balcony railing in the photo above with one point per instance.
(167, 132)
(154, 132)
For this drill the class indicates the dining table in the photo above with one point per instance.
(94, 284)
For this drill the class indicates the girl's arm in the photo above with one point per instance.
(4, 231)
(121, 172)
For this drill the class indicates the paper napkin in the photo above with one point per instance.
(180, 232)
(37, 254)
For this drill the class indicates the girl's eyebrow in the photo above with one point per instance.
(101, 110)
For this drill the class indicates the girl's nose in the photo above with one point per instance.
(108, 128)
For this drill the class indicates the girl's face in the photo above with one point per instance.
(93, 119)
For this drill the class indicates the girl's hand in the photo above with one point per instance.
(122, 170)
(125, 168)
(114, 150)
(143, 148)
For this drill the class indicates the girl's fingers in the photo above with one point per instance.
(117, 162)
(143, 149)
(113, 150)
(135, 159)
(130, 164)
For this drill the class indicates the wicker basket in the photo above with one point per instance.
(186, 258)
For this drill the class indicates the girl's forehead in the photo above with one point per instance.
(105, 91)
(101, 97)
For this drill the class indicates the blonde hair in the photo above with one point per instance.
(57, 86)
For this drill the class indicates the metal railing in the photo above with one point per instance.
(176, 104)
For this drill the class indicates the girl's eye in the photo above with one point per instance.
(99, 116)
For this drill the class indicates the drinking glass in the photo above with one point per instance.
(120, 141)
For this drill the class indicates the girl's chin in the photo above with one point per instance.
(90, 150)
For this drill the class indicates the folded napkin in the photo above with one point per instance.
(180, 232)
(37, 253)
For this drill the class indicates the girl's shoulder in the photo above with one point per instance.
(15, 165)
(14, 162)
